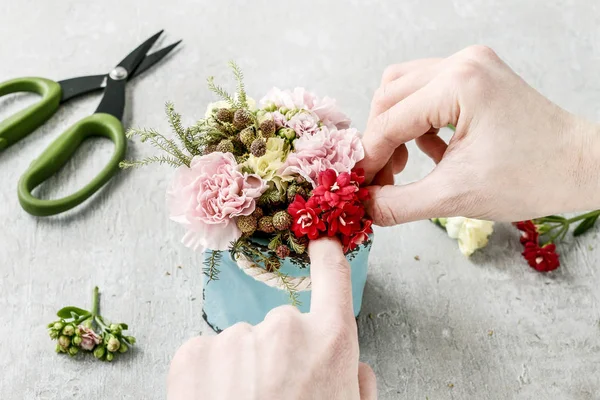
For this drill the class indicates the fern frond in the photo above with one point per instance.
(210, 265)
(219, 91)
(241, 89)
(150, 160)
(182, 133)
(295, 245)
(160, 142)
(291, 289)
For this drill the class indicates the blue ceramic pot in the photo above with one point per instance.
(238, 297)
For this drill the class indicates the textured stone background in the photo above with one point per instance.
(427, 325)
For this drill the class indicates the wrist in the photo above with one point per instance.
(584, 165)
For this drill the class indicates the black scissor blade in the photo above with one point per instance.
(153, 58)
(133, 60)
(77, 86)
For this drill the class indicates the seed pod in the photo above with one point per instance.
(242, 118)
(224, 115)
(267, 126)
(282, 220)
(265, 224)
(258, 148)
(282, 251)
(247, 136)
(247, 224)
(225, 146)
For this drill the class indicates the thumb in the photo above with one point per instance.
(367, 382)
(392, 205)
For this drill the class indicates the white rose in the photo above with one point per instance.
(472, 234)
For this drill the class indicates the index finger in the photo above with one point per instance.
(429, 107)
(330, 275)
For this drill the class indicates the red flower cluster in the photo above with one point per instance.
(335, 208)
(541, 258)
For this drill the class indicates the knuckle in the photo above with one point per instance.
(237, 329)
(284, 317)
(379, 97)
(481, 52)
(189, 350)
(390, 73)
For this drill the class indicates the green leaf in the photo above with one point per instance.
(124, 326)
(298, 247)
(66, 312)
(585, 225)
(275, 242)
(552, 218)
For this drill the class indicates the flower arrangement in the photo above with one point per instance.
(261, 180)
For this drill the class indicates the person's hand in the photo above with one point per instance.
(514, 155)
(289, 355)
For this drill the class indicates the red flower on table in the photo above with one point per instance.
(359, 237)
(334, 190)
(529, 232)
(305, 218)
(344, 220)
(543, 258)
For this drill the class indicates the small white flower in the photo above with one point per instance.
(472, 234)
(224, 104)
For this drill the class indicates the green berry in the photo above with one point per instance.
(113, 344)
(68, 330)
(225, 146)
(99, 352)
(287, 133)
(109, 356)
(247, 136)
(64, 342)
(73, 351)
(123, 348)
(77, 340)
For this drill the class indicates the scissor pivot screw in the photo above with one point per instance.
(118, 73)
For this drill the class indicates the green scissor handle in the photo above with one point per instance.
(24, 122)
(57, 155)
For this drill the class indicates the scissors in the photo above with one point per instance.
(106, 122)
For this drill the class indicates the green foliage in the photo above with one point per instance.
(295, 245)
(67, 312)
(241, 89)
(585, 225)
(210, 265)
(184, 135)
(219, 91)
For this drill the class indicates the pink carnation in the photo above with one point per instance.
(304, 123)
(326, 149)
(207, 196)
(326, 108)
(89, 338)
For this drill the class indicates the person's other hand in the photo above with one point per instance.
(289, 355)
(514, 155)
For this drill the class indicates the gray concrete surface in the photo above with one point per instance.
(442, 327)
